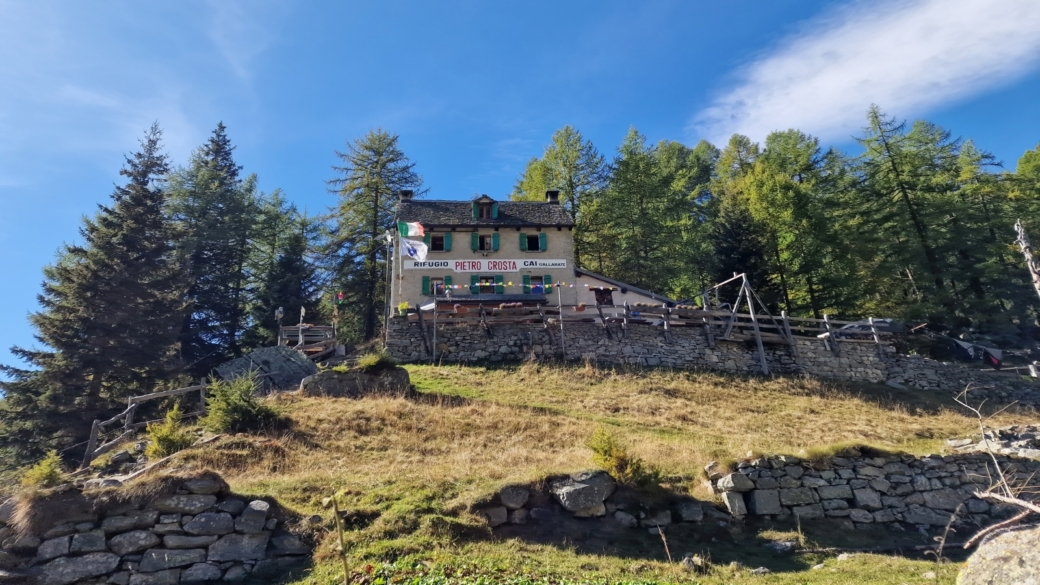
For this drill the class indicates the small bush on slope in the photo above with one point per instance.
(233, 407)
(169, 436)
(45, 474)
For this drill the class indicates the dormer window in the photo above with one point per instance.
(485, 207)
(485, 211)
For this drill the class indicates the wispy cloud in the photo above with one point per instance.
(242, 31)
(908, 57)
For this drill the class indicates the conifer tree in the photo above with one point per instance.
(373, 171)
(108, 320)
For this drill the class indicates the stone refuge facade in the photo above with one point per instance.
(688, 348)
(196, 532)
(900, 491)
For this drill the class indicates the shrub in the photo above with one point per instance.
(613, 457)
(232, 407)
(45, 474)
(376, 362)
(169, 436)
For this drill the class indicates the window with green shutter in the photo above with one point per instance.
(426, 239)
(447, 242)
(548, 283)
(494, 211)
(523, 242)
(494, 242)
(425, 285)
(527, 283)
(476, 210)
(447, 283)
(500, 285)
(474, 241)
(474, 283)
(543, 242)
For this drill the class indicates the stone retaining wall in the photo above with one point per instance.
(688, 348)
(895, 490)
(193, 532)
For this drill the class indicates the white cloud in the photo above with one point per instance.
(908, 57)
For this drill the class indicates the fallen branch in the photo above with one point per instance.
(995, 527)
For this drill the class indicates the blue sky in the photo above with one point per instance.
(474, 89)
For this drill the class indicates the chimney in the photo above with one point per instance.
(552, 196)
(406, 194)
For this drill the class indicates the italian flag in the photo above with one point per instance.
(410, 229)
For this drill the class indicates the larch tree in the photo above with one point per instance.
(109, 317)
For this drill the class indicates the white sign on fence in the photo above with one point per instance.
(484, 265)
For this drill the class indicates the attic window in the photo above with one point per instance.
(485, 211)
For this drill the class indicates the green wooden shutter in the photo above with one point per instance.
(494, 211)
(426, 285)
(474, 283)
(527, 283)
(476, 211)
(494, 242)
(426, 240)
(447, 242)
(447, 283)
(523, 242)
(500, 286)
(547, 283)
(474, 241)
(543, 241)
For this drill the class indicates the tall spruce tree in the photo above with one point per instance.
(373, 170)
(216, 210)
(109, 317)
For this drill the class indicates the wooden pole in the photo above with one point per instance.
(1027, 250)
(877, 338)
(559, 301)
(91, 444)
(790, 336)
(758, 334)
(831, 342)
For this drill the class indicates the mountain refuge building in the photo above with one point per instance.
(491, 252)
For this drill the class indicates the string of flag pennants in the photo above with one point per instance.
(466, 286)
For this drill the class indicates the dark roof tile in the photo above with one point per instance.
(432, 213)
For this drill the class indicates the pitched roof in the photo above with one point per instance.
(625, 287)
(432, 213)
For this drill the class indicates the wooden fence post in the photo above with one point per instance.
(91, 444)
(831, 342)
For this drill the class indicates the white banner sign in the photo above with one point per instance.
(484, 265)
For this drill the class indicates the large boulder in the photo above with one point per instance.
(66, 570)
(355, 383)
(1011, 558)
(583, 490)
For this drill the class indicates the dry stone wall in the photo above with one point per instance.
(196, 532)
(689, 348)
(899, 491)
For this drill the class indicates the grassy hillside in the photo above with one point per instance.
(409, 470)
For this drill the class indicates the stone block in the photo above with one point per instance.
(762, 502)
(810, 512)
(238, 547)
(880, 485)
(814, 482)
(205, 485)
(921, 515)
(596, 511)
(67, 570)
(495, 515)
(626, 519)
(734, 503)
(53, 548)
(582, 491)
(690, 511)
(201, 572)
(85, 542)
(184, 503)
(944, 499)
(285, 543)
(790, 483)
(181, 541)
(159, 559)
(662, 518)
(867, 499)
(165, 577)
(834, 492)
(861, 516)
(514, 497)
(766, 483)
(233, 506)
(797, 496)
(518, 516)
(253, 517)
(735, 482)
(213, 524)
(133, 541)
(886, 515)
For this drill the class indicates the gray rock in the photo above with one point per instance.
(495, 515)
(115, 524)
(200, 572)
(514, 497)
(583, 491)
(120, 578)
(868, 471)
(867, 499)
(541, 513)
(169, 518)
(794, 471)
(285, 543)
(133, 541)
(236, 573)
(690, 511)
(734, 503)
(101, 482)
(809, 512)
(184, 504)
(205, 485)
(67, 570)
(518, 516)
(944, 499)
(883, 516)
(976, 506)
(59, 530)
(253, 517)
(920, 515)
(239, 547)
(85, 542)
(834, 492)
(158, 559)
(355, 384)
(164, 529)
(788, 483)
(762, 502)
(835, 505)
(861, 516)
(626, 519)
(735, 482)
(815, 482)
(232, 506)
(1011, 557)
(663, 518)
(592, 511)
(25, 544)
(212, 524)
(52, 549)
(920, 483)
(7, 511)
(167, 577)
(797, 496)
(180, 541)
